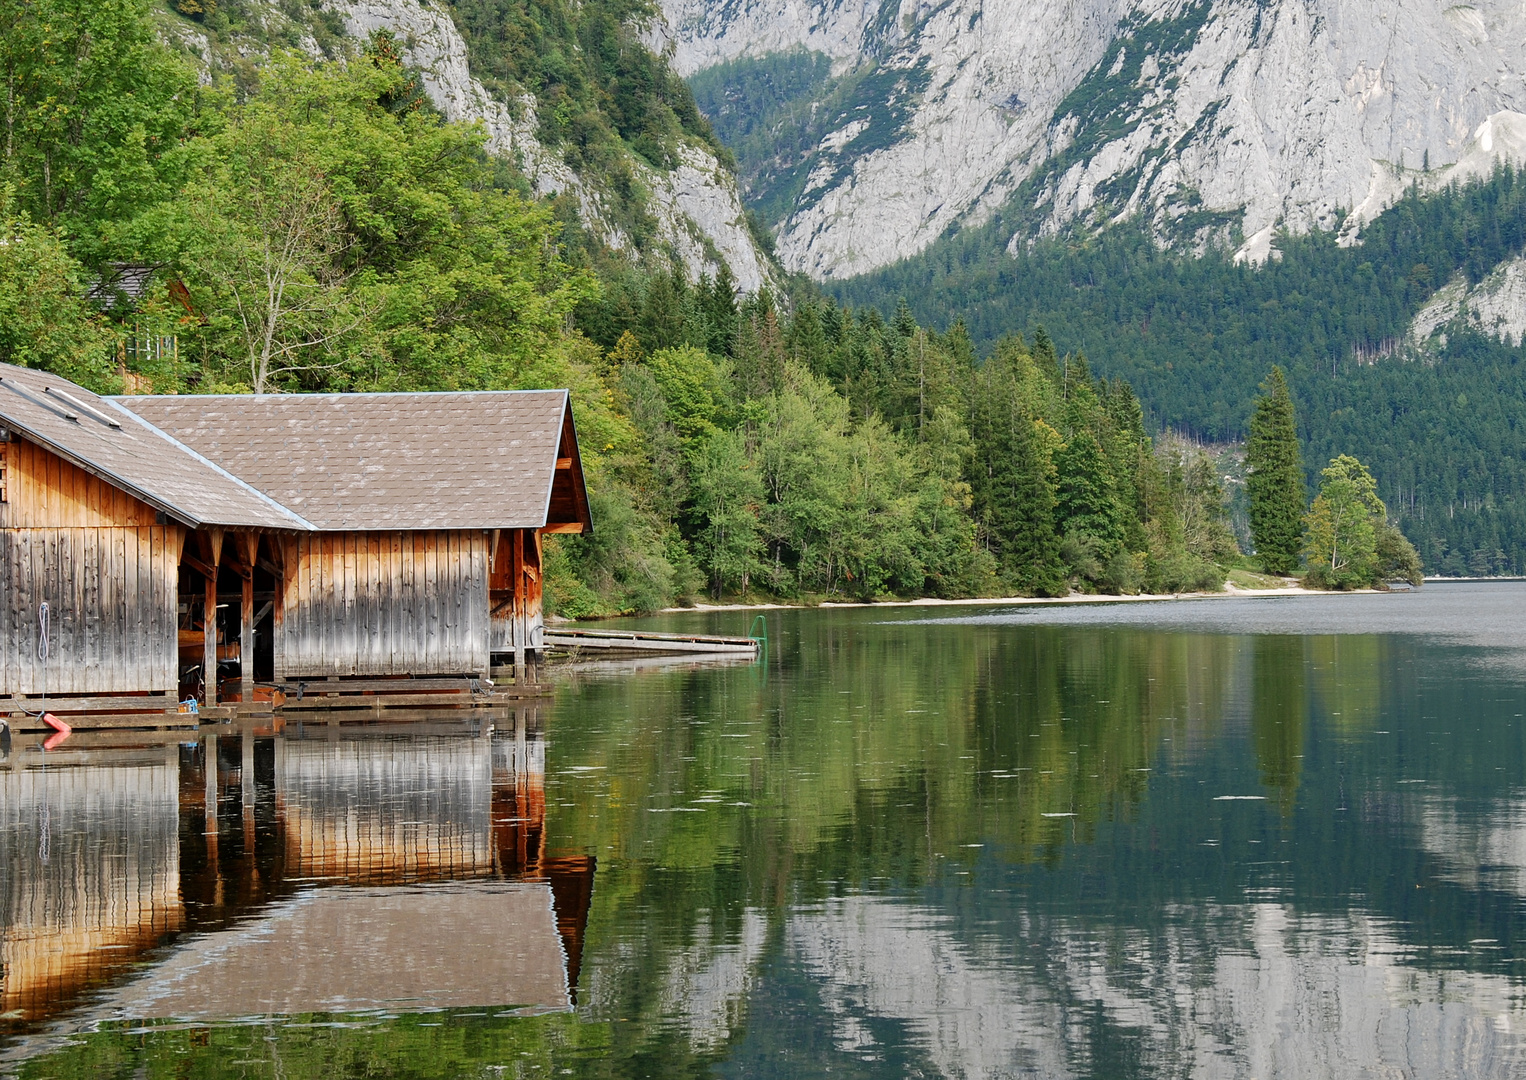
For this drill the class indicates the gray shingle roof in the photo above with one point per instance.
(122, 281)
(142, 461)
(482, 460)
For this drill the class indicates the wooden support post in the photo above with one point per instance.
(521, 630)
(211, 546)
(248, 557)
(278, 615)
(209, 643)
(246, 643)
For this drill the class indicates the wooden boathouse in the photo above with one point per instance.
(316, 544)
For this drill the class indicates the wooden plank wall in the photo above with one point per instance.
(107, 571)
(112, 597)
(43, 491)
(103, 887)
(516, 592)
(409, 603)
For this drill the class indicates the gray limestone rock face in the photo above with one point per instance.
(1211, 119)
(698, 209)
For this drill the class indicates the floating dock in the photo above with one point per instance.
(648, 643)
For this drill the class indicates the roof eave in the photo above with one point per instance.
(185, 518)
(299, 523)
(556, 449)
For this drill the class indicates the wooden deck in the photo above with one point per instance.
(643, 641)
(378, 694)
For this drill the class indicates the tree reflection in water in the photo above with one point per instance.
(1021, 847)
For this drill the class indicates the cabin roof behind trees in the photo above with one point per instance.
(369, 462)
(113, 444)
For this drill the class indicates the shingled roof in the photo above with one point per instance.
(484, 460)
(96, 435)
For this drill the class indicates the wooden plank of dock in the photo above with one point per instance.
(643, 641)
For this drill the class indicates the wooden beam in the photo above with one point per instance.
(209, 543)
(573, 527)
(244, 548)
(564, 463)
(209, 642)
(200, 567)
(246, 643)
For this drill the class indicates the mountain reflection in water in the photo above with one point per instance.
(1238, 839)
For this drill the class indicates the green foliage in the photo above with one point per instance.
(1396, 556)
(691, 387)
(1012, 476)
(727, 491)
(340, 244)
(1189, 536)
(96, 111)
(1193, 335)
(1341, 544)
(44, 323)
(597, 87)
(1274, 478)
(1086, 498)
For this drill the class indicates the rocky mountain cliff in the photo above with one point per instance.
(689, 208)
(1215, 119)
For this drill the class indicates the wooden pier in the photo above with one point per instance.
(646, 642)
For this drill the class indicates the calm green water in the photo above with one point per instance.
(1228, 838)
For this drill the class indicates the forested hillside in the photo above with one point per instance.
(1438, 423)
(312, 224)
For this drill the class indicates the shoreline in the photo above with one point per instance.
(1010, 601)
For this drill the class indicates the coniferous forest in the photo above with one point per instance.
(333, 233)
(1195, 333)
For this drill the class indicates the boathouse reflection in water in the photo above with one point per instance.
(322, 868)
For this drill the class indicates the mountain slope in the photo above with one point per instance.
(1216, 119)
(1404, 350)
(657, 187)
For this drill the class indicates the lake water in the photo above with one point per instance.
(1224, 838)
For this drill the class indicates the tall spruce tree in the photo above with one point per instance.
(1086, 496)
(1274, 478)
(1012, 483)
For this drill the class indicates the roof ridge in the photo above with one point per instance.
(212, 464)
(333, 394)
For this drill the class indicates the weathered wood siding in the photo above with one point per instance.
(111, 596)
(107, 572)
(44, 491)
(91, 858)
(516, 592)
(408, 603)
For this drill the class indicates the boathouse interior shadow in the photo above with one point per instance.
(321, 840)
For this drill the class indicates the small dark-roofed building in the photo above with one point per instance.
(119, 293)
(322, 536)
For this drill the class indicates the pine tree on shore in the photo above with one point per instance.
(1275, 481)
